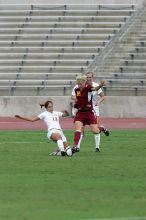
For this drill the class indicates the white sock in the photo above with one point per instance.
(60, 145)
(97, 140)
(79, 143)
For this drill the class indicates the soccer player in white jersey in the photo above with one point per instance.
(51, 119)
(97, 98)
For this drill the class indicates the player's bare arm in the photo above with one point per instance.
(73, 98)
(101, 84)
(101, 98)
(32, 119)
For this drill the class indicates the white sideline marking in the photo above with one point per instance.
(122, 218)
(22, 142)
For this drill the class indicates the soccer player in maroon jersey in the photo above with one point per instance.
(85, 114)
(95, 102)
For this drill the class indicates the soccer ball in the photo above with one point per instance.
(69, 151)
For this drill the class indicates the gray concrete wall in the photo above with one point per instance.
(114, 106)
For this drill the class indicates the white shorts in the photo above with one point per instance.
(96, 110)
(51, 131)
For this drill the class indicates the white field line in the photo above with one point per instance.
(23, 142)
(122, 218)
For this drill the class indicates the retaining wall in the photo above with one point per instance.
(113, 106)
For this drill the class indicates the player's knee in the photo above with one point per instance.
(96, 133)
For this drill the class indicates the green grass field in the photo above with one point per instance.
(107, 185)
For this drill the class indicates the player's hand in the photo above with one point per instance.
(65, 113)
(17, 116)
(41, 105)
(102, 83)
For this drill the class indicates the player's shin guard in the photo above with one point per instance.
(77, 136)
(79, 143)
(60, 145)
(97, 140)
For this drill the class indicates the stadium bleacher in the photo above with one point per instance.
(44, 47)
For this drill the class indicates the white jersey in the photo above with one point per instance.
(95, 94)
(51, 119)
(73, 90)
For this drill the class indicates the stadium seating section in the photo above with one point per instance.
(44, 47)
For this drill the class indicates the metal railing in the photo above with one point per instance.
(121, 36)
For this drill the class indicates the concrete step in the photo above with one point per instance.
(125, 91)
(74, 37)
(41, 69)
(47, 31)
(36, 82)
(48, 24)
(62, 18)
(71, 50)
(46, 56)
(126, 82)
(41, 90)
(66, 12)
(43, 63)
(42, 76)
(52, 43)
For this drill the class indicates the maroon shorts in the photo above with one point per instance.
(86, 117)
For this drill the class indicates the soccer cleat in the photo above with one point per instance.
(104, 130)
(55, 153)
(75, 149)
(97, 150)
(63, 153)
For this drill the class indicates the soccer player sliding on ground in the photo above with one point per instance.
(55, 133)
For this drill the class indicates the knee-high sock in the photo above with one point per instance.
(60, 145)
(97, 140)
(77, 136)
(79, 143)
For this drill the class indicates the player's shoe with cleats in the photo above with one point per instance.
(75, 149)
(55, 153)
(97, 150)
(104, 130)
(63, 153)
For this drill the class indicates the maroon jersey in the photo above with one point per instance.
(84, 98)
